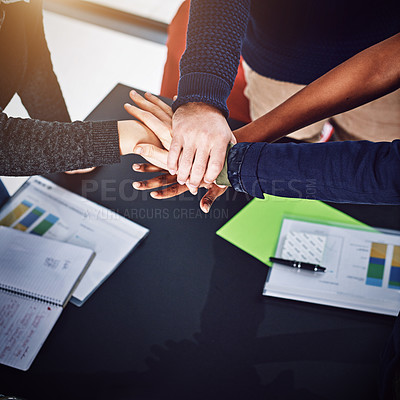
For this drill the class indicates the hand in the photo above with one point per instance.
(175, 189)
(80, 171)
(157, 115)
(200, 136)
(154, 114)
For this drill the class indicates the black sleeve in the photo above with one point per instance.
(209, 64)
(30, 147)
(35, 146)
(40, 92)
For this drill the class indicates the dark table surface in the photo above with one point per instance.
(184, 317)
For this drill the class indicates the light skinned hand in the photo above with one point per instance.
(157, 115)
(200, 135)
(80, 171)
(131, 133)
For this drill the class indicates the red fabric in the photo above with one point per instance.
(238, 104)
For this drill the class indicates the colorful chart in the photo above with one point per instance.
(394, 278)
(18, 212)
(30, 219)
(45, 225)
(376, 264)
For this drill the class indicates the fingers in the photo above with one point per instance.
(146, 168)
(215, 164)
(185, 164)
(152, 154)
(80, 171)
(155, 183)
(153, 113)
(153, 105)
(159, 103)
(208, 199)
(198, 170)
(173, 155)
(160, 129)
(170, 191)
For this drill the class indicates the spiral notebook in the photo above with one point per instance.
(37, 278)
(42, 208)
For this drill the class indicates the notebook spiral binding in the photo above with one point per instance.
(30, 295)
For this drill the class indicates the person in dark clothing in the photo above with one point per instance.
(283, 43)
(49, 141)
(356, 172)
(353, 171)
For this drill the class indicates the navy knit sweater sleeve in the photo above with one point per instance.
(284, 40)
(342, 172)
(209, 65)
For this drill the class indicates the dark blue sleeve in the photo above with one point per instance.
(209, 65)
(342, 172)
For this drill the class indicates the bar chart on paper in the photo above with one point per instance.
(376, 264)
(28, 217)
(45, 209)
(381, 255)
(16, 213)
(394, 277)
(362, 269)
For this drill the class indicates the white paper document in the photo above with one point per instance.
(304, 246)
(24, 327)
(362, 268)
(45, 209)
(37, 277)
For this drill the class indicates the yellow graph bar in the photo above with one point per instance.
(378, 250)
(396, 256)
(18, 211)
(20, 227)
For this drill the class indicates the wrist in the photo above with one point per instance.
(222, 179)
(196, 107)
(126, 145)
(132, 133)
(203, 87)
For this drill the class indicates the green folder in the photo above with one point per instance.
(255, 229)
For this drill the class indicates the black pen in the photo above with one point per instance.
(298, 264)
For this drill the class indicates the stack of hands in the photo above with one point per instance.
(186, 159)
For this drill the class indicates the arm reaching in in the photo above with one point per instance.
(357, 172)
(208, 68)
(30, 147)
(368, 75)
(341, 172)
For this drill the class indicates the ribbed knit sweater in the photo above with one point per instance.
(37, 146)
(287, 40)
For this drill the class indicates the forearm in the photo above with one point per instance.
(214, 40)
(363, 78)
(348, 172)
(31, 147)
